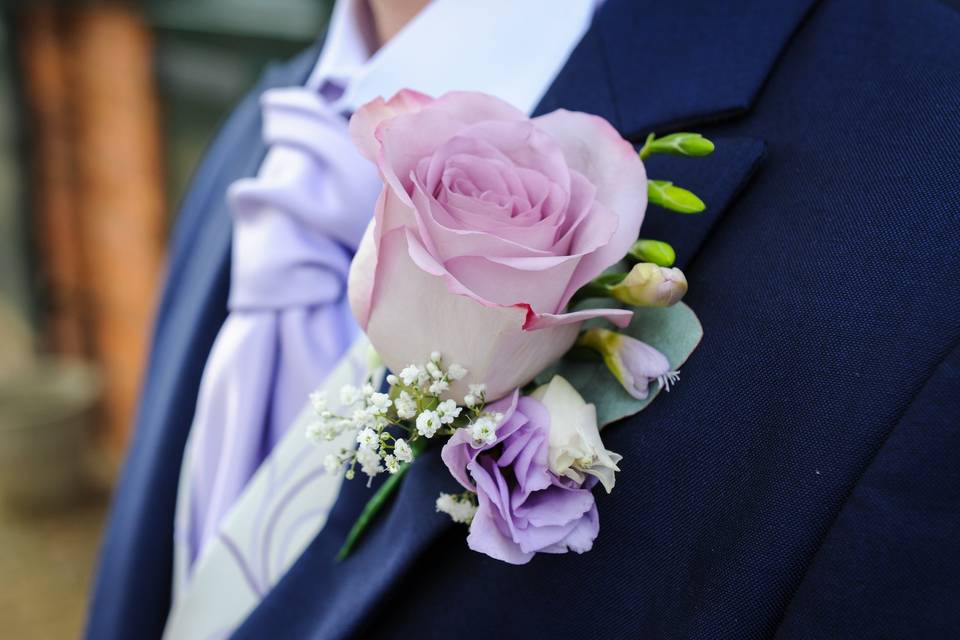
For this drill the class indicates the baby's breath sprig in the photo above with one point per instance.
(391, 428)
(461, 507)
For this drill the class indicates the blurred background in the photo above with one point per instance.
(105, 110)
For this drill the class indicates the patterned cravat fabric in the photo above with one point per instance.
(296, 225)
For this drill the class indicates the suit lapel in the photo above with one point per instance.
(645, 66)
(648, 65)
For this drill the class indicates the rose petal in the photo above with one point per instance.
(367, 118)
(595, 149)
(488, 340)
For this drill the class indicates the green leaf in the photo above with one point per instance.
(682, 144)
(675, 331)
(663, 193)
(655, 251)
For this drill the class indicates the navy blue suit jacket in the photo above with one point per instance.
(803, 481)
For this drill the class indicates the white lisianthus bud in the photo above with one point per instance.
(648, 285)
(575, 445)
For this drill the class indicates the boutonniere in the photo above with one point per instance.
(503, 252)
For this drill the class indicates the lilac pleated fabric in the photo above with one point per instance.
(296, 226)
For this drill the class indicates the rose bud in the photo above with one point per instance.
(648, 285)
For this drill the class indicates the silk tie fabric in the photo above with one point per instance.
(296, 226)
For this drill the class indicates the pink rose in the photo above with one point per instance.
(488, 223)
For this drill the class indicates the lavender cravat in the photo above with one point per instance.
(296, 226)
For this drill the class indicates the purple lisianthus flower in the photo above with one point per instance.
(523, 508)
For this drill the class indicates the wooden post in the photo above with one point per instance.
(98, 191)
(118, 158)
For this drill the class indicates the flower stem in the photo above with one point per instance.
(377, 502)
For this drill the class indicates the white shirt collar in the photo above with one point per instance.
(508, 48)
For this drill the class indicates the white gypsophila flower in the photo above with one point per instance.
(479, 390)
(411, 375)
(448, 411)
(361, 418)
(484, 429)
(332, 464)
(391, 462)
(368, 439)
(329, 430)
(459, 510)
(376, 420)
(434, 371)
(392, 380)
(406, 406)
(379, 403)
(464, 512)
(476, 394)
(402, 450)
(318, 400)
(427, 424)
(456, 372)
(314, 431)
(367, 390)
(349, 395)
(438, 387)
(435, 356)
(369, 461)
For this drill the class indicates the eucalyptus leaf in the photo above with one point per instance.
(675, 331)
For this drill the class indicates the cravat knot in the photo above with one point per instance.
(297, 223)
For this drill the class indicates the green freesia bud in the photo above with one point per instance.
(677, 144)
(683, 144)
(655, 251)
(663, 193)
(650, 285)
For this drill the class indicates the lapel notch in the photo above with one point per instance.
(649, 65)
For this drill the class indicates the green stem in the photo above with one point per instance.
(377, 502)
(647, 147)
